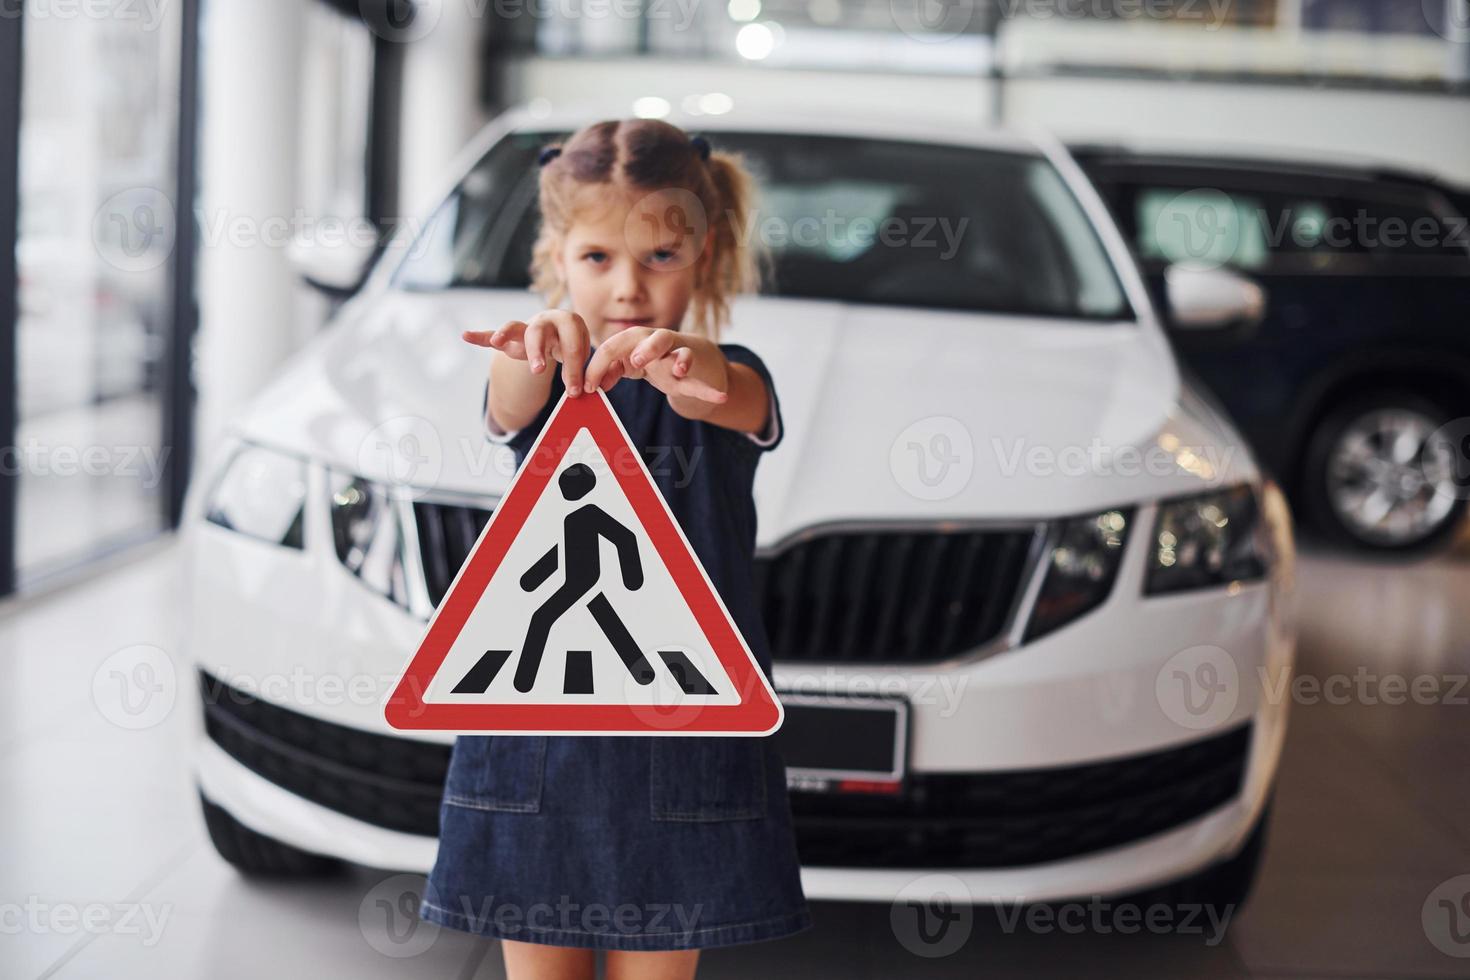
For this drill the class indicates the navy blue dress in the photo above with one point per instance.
(634, 842)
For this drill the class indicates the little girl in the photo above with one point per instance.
(650, 847)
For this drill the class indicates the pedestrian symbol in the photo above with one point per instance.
(582, 609)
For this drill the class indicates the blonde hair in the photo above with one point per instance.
(647, 155)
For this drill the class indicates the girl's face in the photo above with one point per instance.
(631, 260)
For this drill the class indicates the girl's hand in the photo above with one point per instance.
(551, 333)
(664, 358)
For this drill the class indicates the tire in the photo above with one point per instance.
(1226, 886)
(257, 855)
(1323, 483)
(1215, 895)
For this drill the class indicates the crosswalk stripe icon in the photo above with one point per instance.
(582, 609)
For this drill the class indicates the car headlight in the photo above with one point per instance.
(366, 534)
(261, 493)
(1207, 539)
(1080, 570)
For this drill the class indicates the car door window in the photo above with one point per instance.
(1202, 225)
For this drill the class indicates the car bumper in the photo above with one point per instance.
(1080, 702)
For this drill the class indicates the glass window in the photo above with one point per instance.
(850, 219)
(1203, 225)
(468, 236)
(98, 209)
(1400, 227)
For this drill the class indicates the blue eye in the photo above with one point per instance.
(595, 256)
(664, 255)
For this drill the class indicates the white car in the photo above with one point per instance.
(1028, 593)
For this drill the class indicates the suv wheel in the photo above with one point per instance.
(1379, 475)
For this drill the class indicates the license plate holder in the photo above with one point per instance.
(837, 736)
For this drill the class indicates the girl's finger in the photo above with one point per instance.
(573, 339)
(537, 344)
(683, 361)
(654, 346)
(602, 359)
(612, 376)
(611, 350)
(481, 338)
(700, 389)
(663, 368)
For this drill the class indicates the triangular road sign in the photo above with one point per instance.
(582, 609)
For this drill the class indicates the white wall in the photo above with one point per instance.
(1417, 129)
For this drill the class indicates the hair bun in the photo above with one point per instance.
(702, 145)
(548, 154)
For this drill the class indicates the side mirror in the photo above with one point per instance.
(337, 270)
(1212, 298)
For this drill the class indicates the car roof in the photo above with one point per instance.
(1284, 162)
(754, 117)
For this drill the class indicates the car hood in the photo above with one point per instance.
(890, 413)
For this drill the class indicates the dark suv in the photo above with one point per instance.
(1354, 387)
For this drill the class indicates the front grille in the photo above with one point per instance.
(940, 820)
(912, 596)
(890, 596)
(447, 532)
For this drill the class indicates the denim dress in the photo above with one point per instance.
(634, 842)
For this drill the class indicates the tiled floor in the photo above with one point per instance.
(106, 872)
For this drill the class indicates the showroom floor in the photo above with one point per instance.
(106, 870)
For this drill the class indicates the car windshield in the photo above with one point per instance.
(846, 218)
